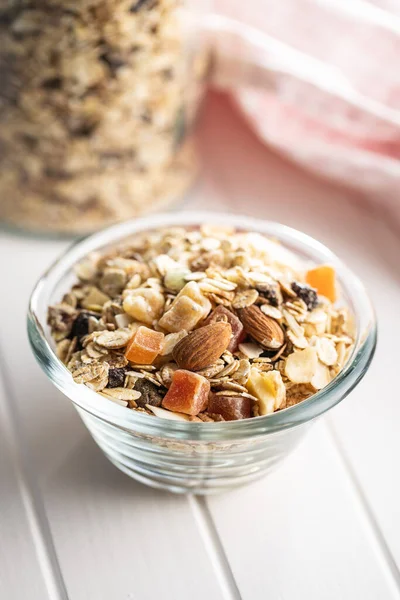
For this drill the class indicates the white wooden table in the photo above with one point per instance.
(326, 526)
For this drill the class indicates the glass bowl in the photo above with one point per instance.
(201, 458)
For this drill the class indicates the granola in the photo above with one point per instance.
(97, 98)
(202, 324)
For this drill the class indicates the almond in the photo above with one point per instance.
(262, 328)
(203, 346)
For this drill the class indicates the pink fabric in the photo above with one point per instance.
(322, 130)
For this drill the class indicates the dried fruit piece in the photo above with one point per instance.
(306, 293)
(188, 308)
(323, 279)
(116, 378)
(268, 388)
(231, 408)
(149, 393)
(183, 314)
(80, 326)
(263, 329)
(144, 304)
(144, 346)
(301, 366)
(270, 292)
(174, 279)
(223, 314)
(203, 346)
(188, 393)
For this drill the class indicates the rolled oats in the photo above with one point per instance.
(107, 321)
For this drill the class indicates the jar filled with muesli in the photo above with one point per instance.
(97, 99)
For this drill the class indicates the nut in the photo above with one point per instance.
(203, 346)
(262, 328)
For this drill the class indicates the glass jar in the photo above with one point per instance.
(97, 99)
(197, 457)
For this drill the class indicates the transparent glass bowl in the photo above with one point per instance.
(200, 458)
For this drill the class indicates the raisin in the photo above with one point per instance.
(150, 393)
(113, 61)
(268, 354)
(80, 326)
(306, 293)
(269, 292)
(180, 127)
(52, 83)
(116, 378)
(142, 4)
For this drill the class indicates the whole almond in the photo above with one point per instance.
(203, 346)
(262, 328)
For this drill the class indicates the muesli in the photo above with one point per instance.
(202, 324)
(97, 98)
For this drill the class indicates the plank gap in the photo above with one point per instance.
(378, 540)
(214, 548)
(31, 497)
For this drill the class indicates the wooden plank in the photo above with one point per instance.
(18, 552)
(113, 538)
(366, 427)
(128, 541)
(299, 533)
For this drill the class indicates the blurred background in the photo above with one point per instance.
(99, 99)
(288, 110)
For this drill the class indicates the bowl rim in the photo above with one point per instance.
(95, 404)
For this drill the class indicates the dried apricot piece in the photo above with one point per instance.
(144, 346)
(323, 279)
(188, 393)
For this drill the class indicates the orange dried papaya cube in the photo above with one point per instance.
(323, 279)
(144, 346)
(188, 393)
